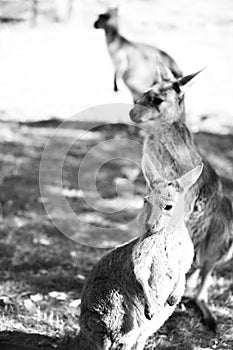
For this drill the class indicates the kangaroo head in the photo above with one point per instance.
(164, 101)
(108, 19)
(164, 205)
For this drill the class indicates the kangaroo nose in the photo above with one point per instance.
(135, 113)
(96, 24)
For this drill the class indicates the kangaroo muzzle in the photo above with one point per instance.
(139, 114)
(97, 24)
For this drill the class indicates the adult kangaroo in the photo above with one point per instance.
(135, 63)
(209, 211)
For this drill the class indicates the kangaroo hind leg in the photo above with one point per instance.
(115, 88)
(202, 296)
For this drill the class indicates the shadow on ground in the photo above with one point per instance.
(42, 271)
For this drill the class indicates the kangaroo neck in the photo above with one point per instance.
(111, 34)
(161, 129)
(151, 236)
(178, 141)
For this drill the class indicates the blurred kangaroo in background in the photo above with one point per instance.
(209, 212)
(133, 289)
(135, 63)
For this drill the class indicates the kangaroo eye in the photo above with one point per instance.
(168, 207)
(176, 87)
(105, 16)
(145, 200)
(156, 100)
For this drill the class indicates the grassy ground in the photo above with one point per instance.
(42, 271)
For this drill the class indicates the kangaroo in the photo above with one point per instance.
(135, 63)
(134, 289)
(170, 148)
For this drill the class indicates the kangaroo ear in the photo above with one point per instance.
(189, 179)
(163, 73)
(114, 9)
(167, 74)
(149, 171)
(184, 80)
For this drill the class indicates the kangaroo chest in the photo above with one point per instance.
(118, 55)
(164, 257)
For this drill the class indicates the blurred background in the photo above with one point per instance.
(53, 63)
(53, 66)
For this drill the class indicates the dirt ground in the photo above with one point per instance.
(42, 271)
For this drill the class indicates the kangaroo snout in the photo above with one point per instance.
(96, 24)
(140, 113)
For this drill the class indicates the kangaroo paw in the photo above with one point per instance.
(211, 323)
(207, 317)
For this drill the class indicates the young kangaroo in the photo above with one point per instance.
(134, 289)
(170, 148)
(135, 63)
